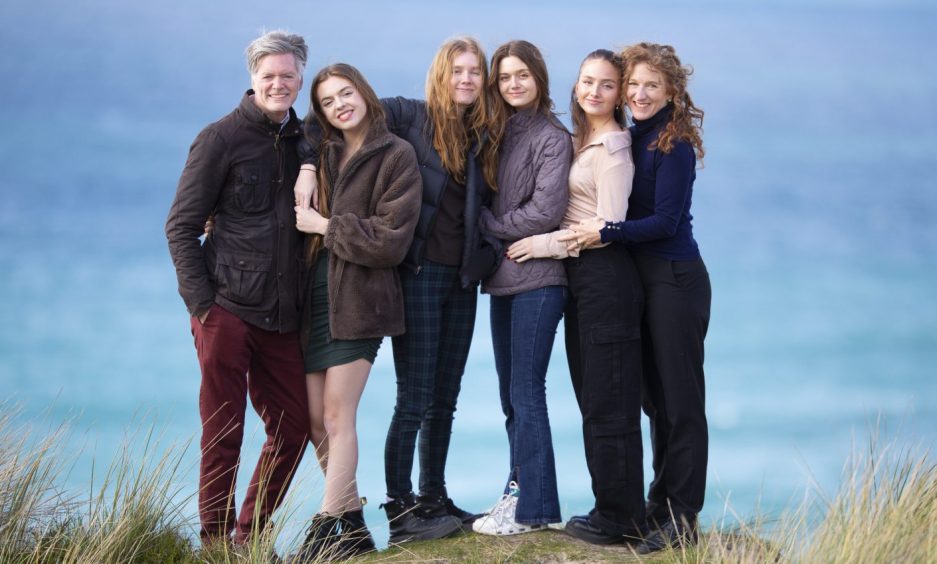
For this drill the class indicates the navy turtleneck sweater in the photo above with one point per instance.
(658, 221)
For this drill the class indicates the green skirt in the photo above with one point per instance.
(322, 351)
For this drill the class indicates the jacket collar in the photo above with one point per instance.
(523, 119)
(252, 113)
(613, 141)
(378, 139)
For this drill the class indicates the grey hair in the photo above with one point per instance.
(277, 42)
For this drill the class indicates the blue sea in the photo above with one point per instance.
(815, 212)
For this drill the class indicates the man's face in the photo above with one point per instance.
(276, 85)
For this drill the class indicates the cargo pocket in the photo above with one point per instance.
(251, 191)
(615, 353)
(242, 276)
(617, 450)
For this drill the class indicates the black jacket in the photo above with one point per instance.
(407, 119)
(241, 169)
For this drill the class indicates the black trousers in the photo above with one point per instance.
(603, 347)
(677, 305)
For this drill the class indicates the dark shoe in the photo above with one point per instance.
(583, 528)
(442, 505)
(669, 534)
(582, 517)
(407, 523)
(356, 539)
(322, 540)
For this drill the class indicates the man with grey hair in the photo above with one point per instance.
(240, 287)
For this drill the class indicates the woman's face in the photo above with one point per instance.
(516, 83)
(342, 105)
(465, 84)
(646, 91)
(598, 88)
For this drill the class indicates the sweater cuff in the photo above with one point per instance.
(611, 232)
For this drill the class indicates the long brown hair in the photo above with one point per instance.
(374, 118)
(500, 110)
(580, 125)
(686, 124)
(453, 131)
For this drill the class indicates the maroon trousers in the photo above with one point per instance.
(238, 359)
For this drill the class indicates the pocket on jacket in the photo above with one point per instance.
(251, 191)
(241, 277)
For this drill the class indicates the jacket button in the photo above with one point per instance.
(267, 320)
(279, 275)
(241, 263)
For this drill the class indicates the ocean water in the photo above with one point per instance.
(815, 213)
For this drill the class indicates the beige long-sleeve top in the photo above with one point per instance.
(599, 187)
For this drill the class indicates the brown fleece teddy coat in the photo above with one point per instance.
(374, 206)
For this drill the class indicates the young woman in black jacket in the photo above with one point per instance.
(439, 278)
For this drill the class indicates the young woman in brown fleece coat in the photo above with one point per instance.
(361, 226)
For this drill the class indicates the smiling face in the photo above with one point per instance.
(276, 83)
(341, 104)
(598, 88)
(516, 83)
(646, 92)
(465, 83)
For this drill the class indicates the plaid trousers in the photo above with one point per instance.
(429, 360)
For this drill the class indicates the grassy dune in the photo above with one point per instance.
(885, 511)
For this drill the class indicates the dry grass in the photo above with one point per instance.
(885, 511)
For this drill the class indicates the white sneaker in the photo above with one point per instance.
(492, 514)
(500, 518)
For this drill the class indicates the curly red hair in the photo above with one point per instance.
(686, 124)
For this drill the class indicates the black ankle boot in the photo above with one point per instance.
(322, 540)
(356, 538)
(407, 523)
(440, 504)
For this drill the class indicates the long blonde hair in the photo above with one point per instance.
(452, 131)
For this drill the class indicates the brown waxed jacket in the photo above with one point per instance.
(241, 169)
(374, 209)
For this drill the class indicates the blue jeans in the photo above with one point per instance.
(523, 327)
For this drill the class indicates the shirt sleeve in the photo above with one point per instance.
(614, 173)
(547, 245)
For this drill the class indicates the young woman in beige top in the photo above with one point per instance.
(603, 314)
